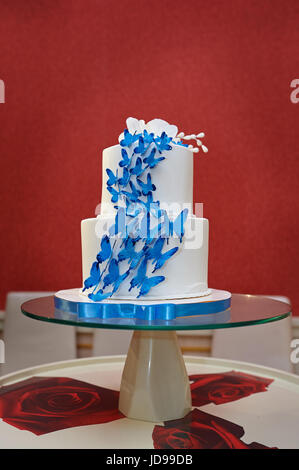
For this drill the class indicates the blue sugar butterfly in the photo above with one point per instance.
(130, 254)
(134, 194)
(151, 160)
(125, 159)
(148, 186)
(176, 226)
(112, 177)
(123, 181)
(137, 169)
(148, 283)
(164, 257)
(141, 147)
(155, 253)
(128, 139)
(94, 278)
(148, 138)
(141, 280)
(114, 277)
(115, 194)
(106, 250)
(99, 296)
(162, 142)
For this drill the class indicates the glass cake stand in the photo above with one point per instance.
(155, 385)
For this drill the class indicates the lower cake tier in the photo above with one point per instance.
(185, 273)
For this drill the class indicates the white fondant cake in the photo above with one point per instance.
(147, 182)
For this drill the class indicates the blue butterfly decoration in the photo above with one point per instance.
(134, 194)
(177, 226)
(155, 253)
(130, 254)
(162, 142)
(123, 181)
(137, 169)
(153, 206)
(125, 161)
(141, 280)
(99, 295)
(94, 277)
(151, 160)
(128, 139)
(141, 148)
(112, 177)
(148, 186)
(106, 250)
(115, 194)
(148, 138)
(114, 277)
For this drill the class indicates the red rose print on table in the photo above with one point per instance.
(45, 404)
(42, 405)
(225, 387)
(200, 430)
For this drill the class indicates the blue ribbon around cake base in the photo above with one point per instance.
(165, 311)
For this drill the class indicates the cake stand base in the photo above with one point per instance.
(155, 385)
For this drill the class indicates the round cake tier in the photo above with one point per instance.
(185, 273)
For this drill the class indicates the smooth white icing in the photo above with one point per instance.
(185, 273)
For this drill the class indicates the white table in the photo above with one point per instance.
(270, 417)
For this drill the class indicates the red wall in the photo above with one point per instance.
(74, 70)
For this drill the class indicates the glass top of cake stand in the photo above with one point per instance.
(244, 310)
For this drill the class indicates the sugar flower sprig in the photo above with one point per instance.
(196, 137)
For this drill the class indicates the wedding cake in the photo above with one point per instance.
(147, 243)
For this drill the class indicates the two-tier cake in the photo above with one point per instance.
(146, 243)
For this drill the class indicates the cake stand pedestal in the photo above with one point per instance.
(154, 384)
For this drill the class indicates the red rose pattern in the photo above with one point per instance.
(225, 387)
(43, 405)
(199, 430)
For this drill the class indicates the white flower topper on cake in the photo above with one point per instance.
(158, 126)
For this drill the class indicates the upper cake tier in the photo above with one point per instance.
(173, 177)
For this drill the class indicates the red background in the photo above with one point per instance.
(74, 70)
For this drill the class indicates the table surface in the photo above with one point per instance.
(245, 310)
(73, 404)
